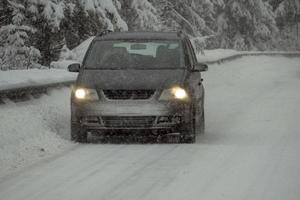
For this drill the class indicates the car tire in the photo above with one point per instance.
(189, 132)
(200, 119)
(78, 134)
(202, 122)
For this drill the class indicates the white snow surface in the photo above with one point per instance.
(214, 55)
(33, 130)
(62, 64)
(33, 77)
(251, 148)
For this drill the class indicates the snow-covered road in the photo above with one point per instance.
(251, 149)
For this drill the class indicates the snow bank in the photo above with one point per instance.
(26, 78)
(216, 55)
(62, 64)
(34, 130)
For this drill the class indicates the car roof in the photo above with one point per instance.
(140, 36)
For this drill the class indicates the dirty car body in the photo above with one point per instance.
(149, 83)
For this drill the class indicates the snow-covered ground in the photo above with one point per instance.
(251, 149)
(33, 77)
(33, 130)
(216, 54)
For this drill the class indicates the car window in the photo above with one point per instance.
(192, 52)
(134, 54)
(187, 55)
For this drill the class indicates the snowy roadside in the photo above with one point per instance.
(33, 77)
(219, 55)
(34, 130)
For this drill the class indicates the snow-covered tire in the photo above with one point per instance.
(78, 134)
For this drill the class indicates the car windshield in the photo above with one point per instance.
(134, 55)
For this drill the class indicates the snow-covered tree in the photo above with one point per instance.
(287, 12)
(5, 13)
(238, 24)
(288, 19)
(15, 52)
(79, 24)
(180, 15)
(50, 10)
(246, 24)
(107, 12)
(45, 17)
(140, 15)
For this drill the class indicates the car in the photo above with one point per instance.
(147, 83)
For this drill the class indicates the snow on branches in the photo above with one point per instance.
(108, 12)
(15, 52)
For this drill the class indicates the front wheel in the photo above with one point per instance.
(200, 122)
(78, 134)
(189, 131)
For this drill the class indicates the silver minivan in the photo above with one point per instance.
(146, 83)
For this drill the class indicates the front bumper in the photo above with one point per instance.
(123, 115)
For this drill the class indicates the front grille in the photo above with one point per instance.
(128, 94)
(128, 121)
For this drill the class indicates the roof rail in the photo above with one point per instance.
(105, 32)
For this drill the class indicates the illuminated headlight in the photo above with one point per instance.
(80, 93)
(86, 94)
(174, 93)
(179, 93)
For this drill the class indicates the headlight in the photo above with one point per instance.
(174, 93)
(86, 94)
(80, 93)
(179, 93)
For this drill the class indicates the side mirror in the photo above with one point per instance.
(75, 67)
(200, 67)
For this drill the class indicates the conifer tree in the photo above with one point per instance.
(245, 25)
(141, 15)
(288, 19)
(45, 17)
(15, 51)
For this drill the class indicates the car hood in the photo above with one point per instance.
(131, 79)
